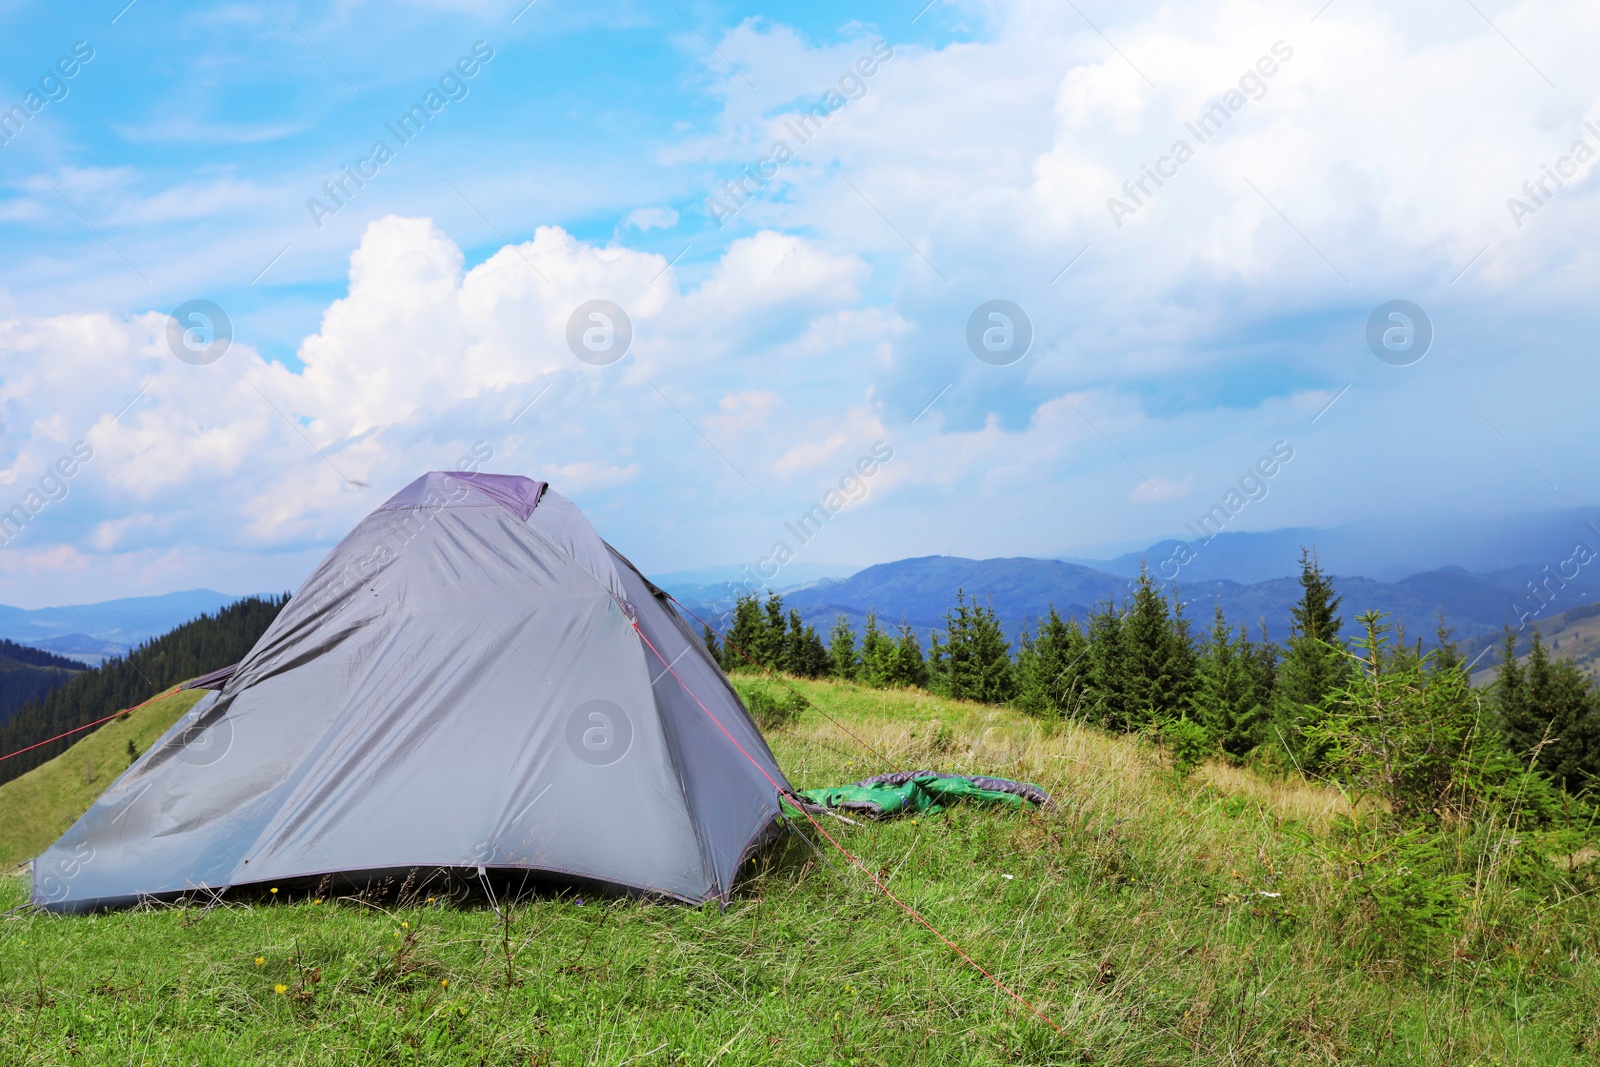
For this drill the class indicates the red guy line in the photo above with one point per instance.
(97, 722)
(908, 909)
(781, 681)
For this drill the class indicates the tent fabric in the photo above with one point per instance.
(465, 489)
(922, 792)
(216, 679)
(456, 687)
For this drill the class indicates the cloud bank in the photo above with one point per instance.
(1186, 313)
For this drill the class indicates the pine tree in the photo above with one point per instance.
(974, 660)
(842, 649)
(1314, 666)
(1052, 667)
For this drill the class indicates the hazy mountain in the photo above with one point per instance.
(713, 585)
(1021, 589)
(1518, 546)
(91, 651)
(87, 631)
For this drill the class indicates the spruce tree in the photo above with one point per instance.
(1447, 656)
(1157, 657)
(877, 655)
(746, 642)
(974, 660)
(709, 636)
(909, 667)
(1414, 736)
(1314, 664)
(1511, 696)
(1549, 706)
(1051, 667)
(804, 653)
(1539, 719)
(1107, 674)
(774, 636)
(1028, 697)
(1227, 700)
(1263, 660)
(1316, 616)
(1184, 659)
(842, 649)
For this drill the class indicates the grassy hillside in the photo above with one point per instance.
(198, 646)
(39, 807)
(1573, 635)
(1156, 920)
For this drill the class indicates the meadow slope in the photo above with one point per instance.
(38, 807)
(1154, 920)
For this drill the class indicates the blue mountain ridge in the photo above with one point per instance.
(919, 591)
(91, 632)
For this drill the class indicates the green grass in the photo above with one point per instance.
(1135, 916)
(38, 807)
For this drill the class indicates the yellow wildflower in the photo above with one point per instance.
(261, 961)
(280, 989)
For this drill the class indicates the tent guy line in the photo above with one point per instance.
(777, 677)
(800, 803)
(90, 725)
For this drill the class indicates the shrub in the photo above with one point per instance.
(1187, 742)
(772, 710)
(1420, 740)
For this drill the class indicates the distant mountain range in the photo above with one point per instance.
(89, 633)
(919, 591)
(1481, 574)
(1388, 550)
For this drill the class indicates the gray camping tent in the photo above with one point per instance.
(472, 679)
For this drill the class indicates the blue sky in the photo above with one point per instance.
(994, 152)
